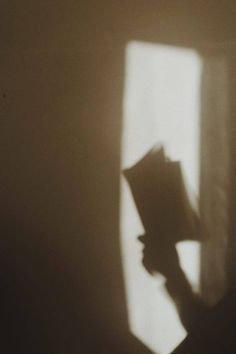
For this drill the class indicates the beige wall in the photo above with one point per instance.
(61, 79)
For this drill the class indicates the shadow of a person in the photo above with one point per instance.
(167, 216)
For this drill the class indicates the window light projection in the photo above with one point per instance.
(161, 105)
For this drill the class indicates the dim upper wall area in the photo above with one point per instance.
(88, 24)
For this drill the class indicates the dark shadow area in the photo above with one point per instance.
(215, 333)
(32, 296)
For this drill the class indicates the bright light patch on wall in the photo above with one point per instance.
(161, 104)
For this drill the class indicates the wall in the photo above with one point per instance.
(61, 94)
(60, 191)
